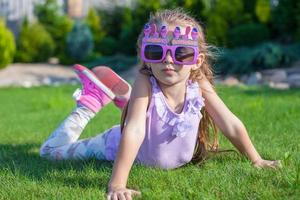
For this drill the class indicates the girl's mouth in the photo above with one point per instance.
(168, 71)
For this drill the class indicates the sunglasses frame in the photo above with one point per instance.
(172, 48)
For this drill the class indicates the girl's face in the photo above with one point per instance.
(169, 73)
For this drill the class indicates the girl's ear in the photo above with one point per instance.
(200, 60)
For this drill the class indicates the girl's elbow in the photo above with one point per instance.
(238, 129)
(235, 128)
(137, 133)
(238, 124)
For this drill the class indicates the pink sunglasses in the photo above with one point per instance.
(183, 51)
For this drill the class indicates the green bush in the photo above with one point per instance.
(7, 45)
(118, 62)
(235, 61)
(291, 53)
(265, 56)
(269, 55)
(79, 42)
(226, 23)
(34, 44)
(248, 35)
(108, 46)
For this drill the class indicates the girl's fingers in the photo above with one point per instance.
(114, 196)
(109, 196)
(274, 164)
(121, 196)
(135, 193)
(278, 164)
(270, 164)
(128, 196)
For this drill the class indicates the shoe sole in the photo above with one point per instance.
(95, 80)
(112, 80)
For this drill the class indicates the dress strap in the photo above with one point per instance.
(194, 100)
(193, 90)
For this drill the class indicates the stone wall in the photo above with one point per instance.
(282, 78)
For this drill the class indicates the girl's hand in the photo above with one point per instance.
(122, 194)
(274, 164)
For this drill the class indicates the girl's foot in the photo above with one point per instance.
(118, 86)
(94, 93)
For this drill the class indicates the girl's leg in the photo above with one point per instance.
(62, 142)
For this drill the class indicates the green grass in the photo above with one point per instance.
(27, 117)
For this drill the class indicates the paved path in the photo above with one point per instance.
(28, 75)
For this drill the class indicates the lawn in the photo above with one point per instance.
(27, 117)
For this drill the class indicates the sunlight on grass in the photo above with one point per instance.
(28, 116)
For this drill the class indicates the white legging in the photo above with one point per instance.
(63, 143)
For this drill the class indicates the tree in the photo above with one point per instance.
(195, 7)
(285, 20)
(93, 20)
(263, 10)
(221, 16)
(49, 14)
(123, 25)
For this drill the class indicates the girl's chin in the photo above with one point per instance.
(168, 80)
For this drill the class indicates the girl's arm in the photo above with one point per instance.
(132, 137)
(231, 126)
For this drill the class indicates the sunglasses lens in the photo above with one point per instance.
(184, 54)
(153, 52)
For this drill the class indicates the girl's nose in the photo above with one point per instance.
(168, 58)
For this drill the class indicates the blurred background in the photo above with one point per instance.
(256, 40)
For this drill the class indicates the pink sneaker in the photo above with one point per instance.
(94, 94)
(118, 86)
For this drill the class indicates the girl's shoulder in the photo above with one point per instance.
(141, 86)
(205, 86)
(142, 81)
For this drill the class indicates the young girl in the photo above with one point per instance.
(162, 125)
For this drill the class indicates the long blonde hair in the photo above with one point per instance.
(207, 139)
